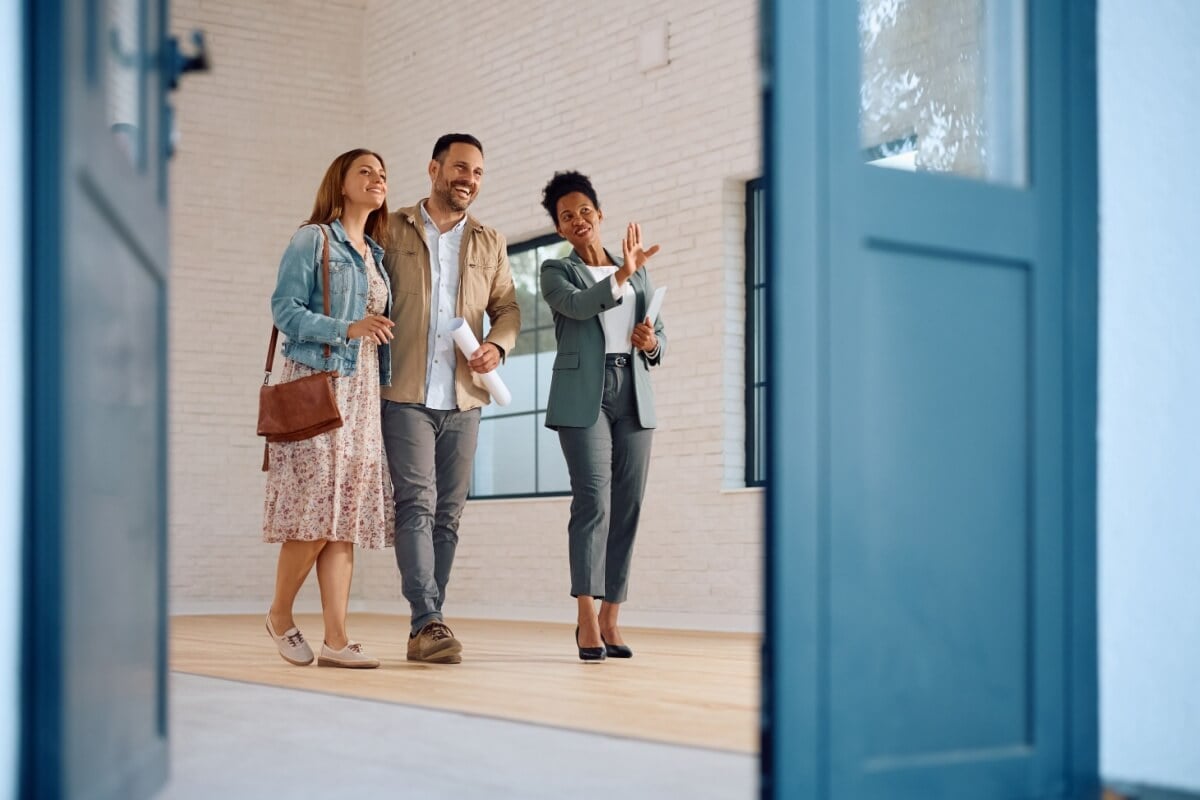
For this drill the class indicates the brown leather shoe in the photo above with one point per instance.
(435, 644)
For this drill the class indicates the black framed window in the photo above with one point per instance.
(756, 334)
(517, 455)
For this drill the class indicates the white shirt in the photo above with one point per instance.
(443, 306)
(617, 321)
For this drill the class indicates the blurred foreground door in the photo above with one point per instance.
(931, 544)
(95, 717)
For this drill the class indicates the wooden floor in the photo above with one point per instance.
(681, 687)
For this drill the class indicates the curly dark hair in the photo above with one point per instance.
(563, 184)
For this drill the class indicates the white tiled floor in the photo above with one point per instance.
(234, 740)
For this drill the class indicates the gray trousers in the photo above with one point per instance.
(608, 463)
(429, 455)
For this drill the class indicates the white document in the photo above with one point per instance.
(655, 304)
(466, 341)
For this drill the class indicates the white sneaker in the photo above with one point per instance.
(351, 657)
(292, 647)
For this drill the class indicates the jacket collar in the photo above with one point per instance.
(339, 233)
(412, 214)
(586, 274)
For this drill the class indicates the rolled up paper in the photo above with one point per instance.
(466, 341)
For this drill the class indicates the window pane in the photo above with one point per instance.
(504, 459)
(943, 86)
(760, 334)
(759, 465)
(547, 350)
(525, 279)
(515, 452)
(518, 374)
(552, 467)
(560, 249)
(526, 341)
(756, 313)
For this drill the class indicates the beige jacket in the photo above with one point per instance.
(485, 284)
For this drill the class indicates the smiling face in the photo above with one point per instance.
(365, 183)
(456, 176)
(578, 220)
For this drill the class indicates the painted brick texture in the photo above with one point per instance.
(545, 89)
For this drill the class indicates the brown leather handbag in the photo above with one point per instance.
(305, 407)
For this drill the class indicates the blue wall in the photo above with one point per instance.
(1149, 89)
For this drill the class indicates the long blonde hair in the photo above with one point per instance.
(328, 205)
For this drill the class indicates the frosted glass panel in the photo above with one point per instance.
(124, 97)
(943, 87)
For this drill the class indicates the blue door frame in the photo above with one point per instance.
(94, 640)
(823, 253)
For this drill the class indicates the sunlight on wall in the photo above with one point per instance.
(12, 390)
(1149, 514)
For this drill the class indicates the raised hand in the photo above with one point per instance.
(372, 327)
(636, 256)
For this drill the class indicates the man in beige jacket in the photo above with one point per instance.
(443, 264)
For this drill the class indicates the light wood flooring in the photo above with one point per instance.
(681, 687)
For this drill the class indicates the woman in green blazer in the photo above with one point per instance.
(601, 401)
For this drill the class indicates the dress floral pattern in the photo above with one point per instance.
(336, 486)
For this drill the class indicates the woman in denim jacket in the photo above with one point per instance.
(331, 492)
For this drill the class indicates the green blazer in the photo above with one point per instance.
(577, 382)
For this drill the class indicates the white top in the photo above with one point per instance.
(443, 307)
(617, 321)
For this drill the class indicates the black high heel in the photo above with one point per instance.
(616, 650)
(588, 653)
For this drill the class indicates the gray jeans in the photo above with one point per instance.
(429, 456)
(608, 463)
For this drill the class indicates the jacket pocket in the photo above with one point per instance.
(341, 290)
(406, 272)
(566, 361)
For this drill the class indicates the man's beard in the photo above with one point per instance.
(452, 199)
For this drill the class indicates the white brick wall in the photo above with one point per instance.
(255, 135)
(544, 88)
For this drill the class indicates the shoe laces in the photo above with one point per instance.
(355, 647)
(438, 631)
(294, 639)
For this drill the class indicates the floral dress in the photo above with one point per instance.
(335, 486)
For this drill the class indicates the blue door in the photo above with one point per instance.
(95, 644)
(931, 542)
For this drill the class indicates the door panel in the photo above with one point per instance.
(934, 434)
(942, 502)
(113, 505)
(929, 622)
(931, 518)
(95, 669)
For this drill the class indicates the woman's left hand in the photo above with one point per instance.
(643, 337)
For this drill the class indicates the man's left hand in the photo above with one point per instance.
(485, 359)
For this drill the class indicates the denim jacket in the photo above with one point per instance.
(298, 305)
